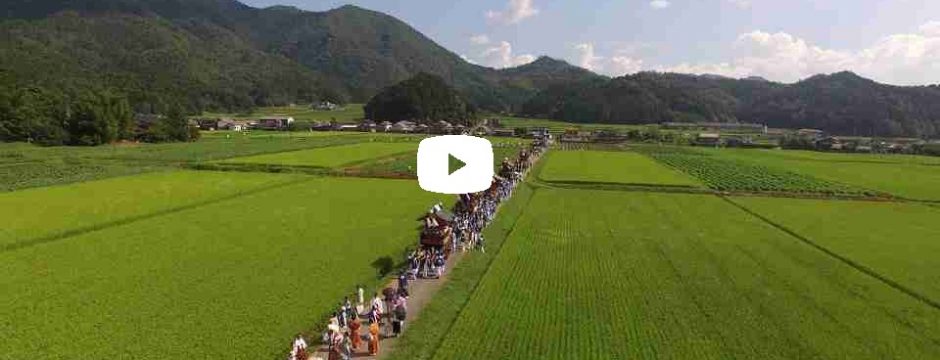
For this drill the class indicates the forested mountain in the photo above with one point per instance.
(230, 55)
(224, 55)
(842, 103)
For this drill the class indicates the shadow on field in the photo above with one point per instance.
(383, 266)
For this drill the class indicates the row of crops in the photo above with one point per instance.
(220, 265)
(627, 275)
(732, 175)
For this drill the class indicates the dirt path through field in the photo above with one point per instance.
(421, 292)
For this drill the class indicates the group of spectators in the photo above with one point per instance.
(461, 230)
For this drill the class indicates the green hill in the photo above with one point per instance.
(221, 55)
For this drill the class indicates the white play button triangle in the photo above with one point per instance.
(455, 164)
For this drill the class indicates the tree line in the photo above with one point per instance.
(90, 117)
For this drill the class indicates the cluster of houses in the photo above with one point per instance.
(265, 123)
(404, 127)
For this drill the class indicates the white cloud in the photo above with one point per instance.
(743, 4)
(901, 59)
(659, 4)
(586, 57)
(479, 40)
(516, 11)
(501, 56)
(623, 65)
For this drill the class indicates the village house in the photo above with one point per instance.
(345, 127)
(325, 106)
(442, 127)
(403, 127)
(829, 143)
(504, 132)
(708, 139)
(275, 123)
(367, 126)
(539, 133)
(811, 133)
(321, 126)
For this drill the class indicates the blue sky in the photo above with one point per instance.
(892, 41)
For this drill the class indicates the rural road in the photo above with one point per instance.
(421, 292)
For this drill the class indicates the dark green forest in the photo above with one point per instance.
(424, 98)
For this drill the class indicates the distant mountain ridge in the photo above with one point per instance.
(224, 55)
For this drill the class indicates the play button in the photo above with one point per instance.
(455, 164)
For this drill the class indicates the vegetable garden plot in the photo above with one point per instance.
(909, 176)
(330, 157)
(896, 240)
(608, 275)
(46, 173)
(40, 213)
(235, 279)
(725, 174)
(610, 167)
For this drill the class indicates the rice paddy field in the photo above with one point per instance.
(406, 164)
(231, 279)
(615, 167)
(898, 241)
(116, 252)
(44, 214)
(601, 274)
(330, 157)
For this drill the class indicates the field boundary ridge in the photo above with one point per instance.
(88, 229)
(857, 266)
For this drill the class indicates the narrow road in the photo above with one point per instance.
(421, 292)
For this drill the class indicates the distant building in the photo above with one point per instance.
(403, 127)
(716, 126)
(275, 123)
(708, 139)
(830, 143)
(504, 132)
(539, 133)
(814, 133)
(325, 106)
(321, 126)
(442, 127)
(208, 124)
(367, 126)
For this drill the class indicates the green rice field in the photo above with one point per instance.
(898, 241)
(40, 213)
(233, 279)
(406, 164)
(601, 275)
(617, 167)
(330, 157)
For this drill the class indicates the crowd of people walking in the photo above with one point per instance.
(445, 233)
